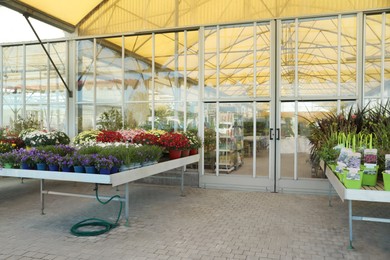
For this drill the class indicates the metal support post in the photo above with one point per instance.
(42, 196)
(329, 194)
(350, 223)
(182, 182)
(127, 203)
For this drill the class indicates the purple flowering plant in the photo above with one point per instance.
(54, 159)
(104, 163)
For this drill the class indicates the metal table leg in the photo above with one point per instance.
(350, 223)
(42, 186)
(182, 182)
(127, 203)
(330, 194)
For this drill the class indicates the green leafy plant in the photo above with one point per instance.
(110, 120)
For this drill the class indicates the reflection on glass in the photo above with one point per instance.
(36, 83)
(236, 61)
(108, 73)
(348, 56)
(138, 77)
(169, 116)
(85, 71)
(210, 63)
(58, 111)
(209, 138)
(169, 80)
(262, 139)
(85, 117)
(295, 146)
(372, 86)
(12, 83)
(138, 115)
(192, 116)
(192, 66)
(262, 61)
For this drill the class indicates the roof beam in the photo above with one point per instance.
(37, 14)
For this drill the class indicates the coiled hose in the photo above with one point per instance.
(96, 222)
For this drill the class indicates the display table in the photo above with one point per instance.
(120, 178)
(372, 194)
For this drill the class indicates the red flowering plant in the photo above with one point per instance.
(145, 139)
(174, 141)
(107, 136)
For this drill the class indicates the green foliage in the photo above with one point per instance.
(110, 120)
(92, 149)
(29, 122)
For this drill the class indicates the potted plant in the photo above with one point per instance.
(89, 161)
(86, 137)
(8, 159)
(194, 141)
(66, 164)
(38, 157)
(146, 138)
(35, 138)
(104, 165)
(54, 161)
(152, 153)
(107, 136)
(174, 142)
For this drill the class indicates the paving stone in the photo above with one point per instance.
(205, 224)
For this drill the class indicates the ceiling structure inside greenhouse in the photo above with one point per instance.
(107, 17)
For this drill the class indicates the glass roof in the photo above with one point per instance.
(97, 17)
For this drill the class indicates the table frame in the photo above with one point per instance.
(120, 178)
(373, 195)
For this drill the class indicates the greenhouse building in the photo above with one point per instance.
(248, 76)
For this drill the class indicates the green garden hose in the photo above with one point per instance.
(95, 222)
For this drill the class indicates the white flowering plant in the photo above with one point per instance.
(37, 138)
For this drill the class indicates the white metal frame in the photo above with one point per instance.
(354, 194)
(120, 178)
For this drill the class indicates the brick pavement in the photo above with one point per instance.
(205, 224)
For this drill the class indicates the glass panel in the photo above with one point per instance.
(168, 65)
(138, 115)
(12, 83)
(36, 82)
(10, 113)
(85, 117)
(192, 66)
(236, 61)
(137, 71)
(372, 77)
(85, 71)
(317, 57)
(38, 112)
(287, 140)
(192, 116)
(387, 57)
(263, 51)
(210, 63)
(108, 73)
(288, 59)
(348, 50)
(169, 116)
(296, 145)
(262, 139)
(231, 138)
(210, 115)
(58, 111)
(100, 109)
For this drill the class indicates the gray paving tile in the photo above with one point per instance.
(206, 224)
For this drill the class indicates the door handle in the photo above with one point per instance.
(271, 134)
(277, 133)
